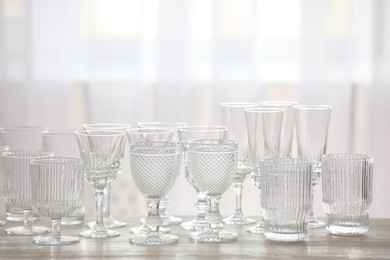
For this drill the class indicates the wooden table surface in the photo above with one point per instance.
(318, 244)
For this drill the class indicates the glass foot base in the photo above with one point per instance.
(315, 223)
(285, 237)
(157, 239)
(49, 241)
(211, 236)
(19, 217)
(345, 230)
(22, 231)
(143, 230)
(109, 223)
(258, 229)
(239, 219)
(194, 225)
(99, 234)
(2, 222)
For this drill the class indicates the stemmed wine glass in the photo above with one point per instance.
(154, 167)
(312, 124)
(264, 127)
(233, 116)
(17, 187)
(213, 166)
(186, 136)
(57, 191)
(167, 219)
(108, 220)
(101, 152)
(3, 148)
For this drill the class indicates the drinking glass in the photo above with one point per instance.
(186, 136)
(21, 138)
(154, 167)
(233, 115)
(285, 198)
(17, 187)
(102, 153)
(264, 127)
(63, 143)
(3, 148)
(286, 138)
(213, 166)
(167, 219)
(347, 192)
(312, 124)
(57, 191)
(108, 220)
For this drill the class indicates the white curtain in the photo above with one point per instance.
(67, 62)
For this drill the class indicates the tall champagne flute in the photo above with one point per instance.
(312, 124)
(101, 152)
(3, 148)
(187, 135)
(166, 218)
(109, 221)
(57, 191)
(233, 115)
(264, 127)
(17, 188)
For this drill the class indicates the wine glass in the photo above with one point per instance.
(3, 148)
(186, 136)
(17, 187)
(108, 220)
(166, 218)
(264, 127)
(312, 124)
(154, 167)
(101, 152)
(213, 165)
(63, 143)
(57, 191)
(233, 116)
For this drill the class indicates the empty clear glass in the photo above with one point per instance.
(264, 127)
(286, 138)
(17, 187)
(213, 166)
(2, 149)
(63, 143)
(186, 136)
(285, 198)
(109, 221)
(21, 138)
(57, 191)
(312, 124)
(347, 192)
(154, 167)
(167, 219)
(233, 115)
(102, 153)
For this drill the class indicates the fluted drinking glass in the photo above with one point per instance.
(21, 138)
(63, 143)
(213, 166)
(312, 124)
(186, 136)
(154, 167)
(101, 152)
(285, 198)
(57, 192)
(17, 187)
(264, 128)
(109, 221)
(168, 220)
(233, 116)
(3, 148)
(347, 192)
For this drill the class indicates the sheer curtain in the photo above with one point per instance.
(67, 62)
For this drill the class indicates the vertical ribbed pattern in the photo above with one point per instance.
(347, 192)
(285, 198)
(56, 185)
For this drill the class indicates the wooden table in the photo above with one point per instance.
(319, 244)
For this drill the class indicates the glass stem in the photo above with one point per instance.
(153, 220)
(214, 217)
(313, 188)
(163, 206)
(99, 197)
(27, 222)
(202, 207)
(55, 229)
(238, 193)
(107, 198)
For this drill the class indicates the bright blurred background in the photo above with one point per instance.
(68, 62)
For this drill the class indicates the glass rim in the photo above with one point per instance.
(105, 126)
(199, 142)
(239, 104)
(347, 156)
(160, 124)
(61, 131)
(278, 103)
(264, 110)
(55, 161)
(290, 161)
(313, 107)
(155, 145)
(150, 130)
(26, 154)
(96, 132)
(4, 148)
(203, 128)
(24, 129)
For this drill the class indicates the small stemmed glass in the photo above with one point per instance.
(213, 166)
(154, 167)
(101, 152)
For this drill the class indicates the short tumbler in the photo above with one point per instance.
(285, 203)
(347, 192)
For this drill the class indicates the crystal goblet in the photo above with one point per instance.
(57, 191)
(154, 167)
